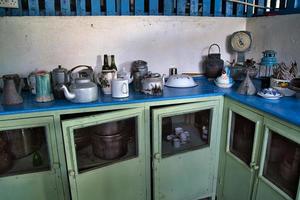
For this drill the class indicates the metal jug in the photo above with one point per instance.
(43, 87)
(11, 90)
(214, 64)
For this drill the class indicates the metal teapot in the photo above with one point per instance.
(83, 90)
(12, 89)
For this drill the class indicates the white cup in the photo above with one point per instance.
(120, 88)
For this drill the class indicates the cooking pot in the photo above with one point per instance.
(5, 156)
(81, 91)
(153, 84)
(110, 128)
(23, 142)
(109, 147)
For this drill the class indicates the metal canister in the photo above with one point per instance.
(139, 70)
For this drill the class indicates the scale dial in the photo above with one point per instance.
(241, 41)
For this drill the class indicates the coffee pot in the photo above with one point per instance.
(139, 70)
(12, 89)
(59, 77)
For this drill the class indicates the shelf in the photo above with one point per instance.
(25, 165)
(196, 142)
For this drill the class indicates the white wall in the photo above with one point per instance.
(279, 33)
(27, 43)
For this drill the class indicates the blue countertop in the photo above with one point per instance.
(286, 108)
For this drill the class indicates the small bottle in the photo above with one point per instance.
(113, 63)
(105, 63)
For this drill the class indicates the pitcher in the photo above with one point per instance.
(12, 89)
(43, 87)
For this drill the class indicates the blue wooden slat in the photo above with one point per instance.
(240, 9)
(273, 4)
(229, 9)
(250, 9)
(125, 7)
(153, 7)
(194, 8)
(206, 8)
(260, 11)
(218, 8)
(33, 7)
(139, 7)
(168, 7)
(181, 7)
(80, 8)
(118, 6)
(290, 4)
(95, 7)
(17, 11)
(65, 7)
(49, 7)
(2, 12)
(110, 7)
(281, 4)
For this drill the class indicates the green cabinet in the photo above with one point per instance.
(29, 167)
(260, 156)
(185, 150)
(106, 155)
(280, 163)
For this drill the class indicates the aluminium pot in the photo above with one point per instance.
(109, 147)
(109, 128)
(23, 142)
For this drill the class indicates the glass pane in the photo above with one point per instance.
(282, 163)
(23, 151)
(185, 132)
(242, 137)
(106, 143)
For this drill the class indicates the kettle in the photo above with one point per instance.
(87, 72)
(12, 89)
(82, 90)
(214, 64)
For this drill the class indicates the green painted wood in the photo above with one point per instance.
(43, 185)
(110, 182)
(272, 190)
(198, 180)
(264, 192)
(236, 172)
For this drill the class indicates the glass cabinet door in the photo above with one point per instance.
(241, 157)
(27, 157)
(105, 152)
(184, 150)
(280, 161)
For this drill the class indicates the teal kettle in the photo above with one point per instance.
(43, 87)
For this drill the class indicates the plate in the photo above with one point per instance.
(269, 96)
(222, 85)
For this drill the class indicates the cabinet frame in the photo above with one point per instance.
(292, 135)
(54, 164)
(68, 127)
(172, 110)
